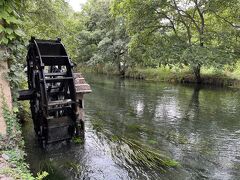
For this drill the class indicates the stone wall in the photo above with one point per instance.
(5, 93)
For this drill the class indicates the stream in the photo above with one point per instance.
(198, 127)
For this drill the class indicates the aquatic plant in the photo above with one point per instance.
(78, 140)
(73, 166)
(136, 152)
(176, 138)
(97, 124)
(114, 138)
(151, 141)
(149, 157)
(137, 127)
(52, 169)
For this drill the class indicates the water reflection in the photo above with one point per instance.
(197, 126)
(192, 111)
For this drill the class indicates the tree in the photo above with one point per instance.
(184, 30)
(49, 19)
(113, 47)
(104, 39)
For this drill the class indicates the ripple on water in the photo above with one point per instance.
(197, 126)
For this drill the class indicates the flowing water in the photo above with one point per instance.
(198, 127)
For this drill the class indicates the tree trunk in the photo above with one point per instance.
(123, 73)
(197, 74)
(121, 69)
(124, 69)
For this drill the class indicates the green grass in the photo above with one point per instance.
(228, 76)
(158, 74)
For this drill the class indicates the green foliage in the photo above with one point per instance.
(104, 39)
(128, 33)
(78, 140)
(51, 19)
(194, 33)
(41, 175)
(17, 168)
(11, 35)
(9, 118)
(9, 21)
(13, 138)
(12, 144)
(16, 160)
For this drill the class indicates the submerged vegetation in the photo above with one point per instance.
(147, 156)
(136, 152)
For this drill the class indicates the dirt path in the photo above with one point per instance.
(5, 88)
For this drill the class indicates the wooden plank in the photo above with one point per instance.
(25, 94)
(83, 88)
(60, 102)
(58, 79)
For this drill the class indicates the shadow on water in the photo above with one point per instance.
(138, 130)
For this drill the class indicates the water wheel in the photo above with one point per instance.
(54, 102)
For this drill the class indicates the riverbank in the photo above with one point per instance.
(210, 76)
(12, 164)
(12, 155)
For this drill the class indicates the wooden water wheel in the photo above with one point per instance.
(55, 92)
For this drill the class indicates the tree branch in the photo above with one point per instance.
(186, 15)
(227, 21)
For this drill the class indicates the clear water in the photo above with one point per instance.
(197, 126)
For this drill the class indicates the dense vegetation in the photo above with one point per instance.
(192, 33)
(123, 36)
(129, 34)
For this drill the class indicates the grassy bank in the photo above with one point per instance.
(226, 77)
(210, 76)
